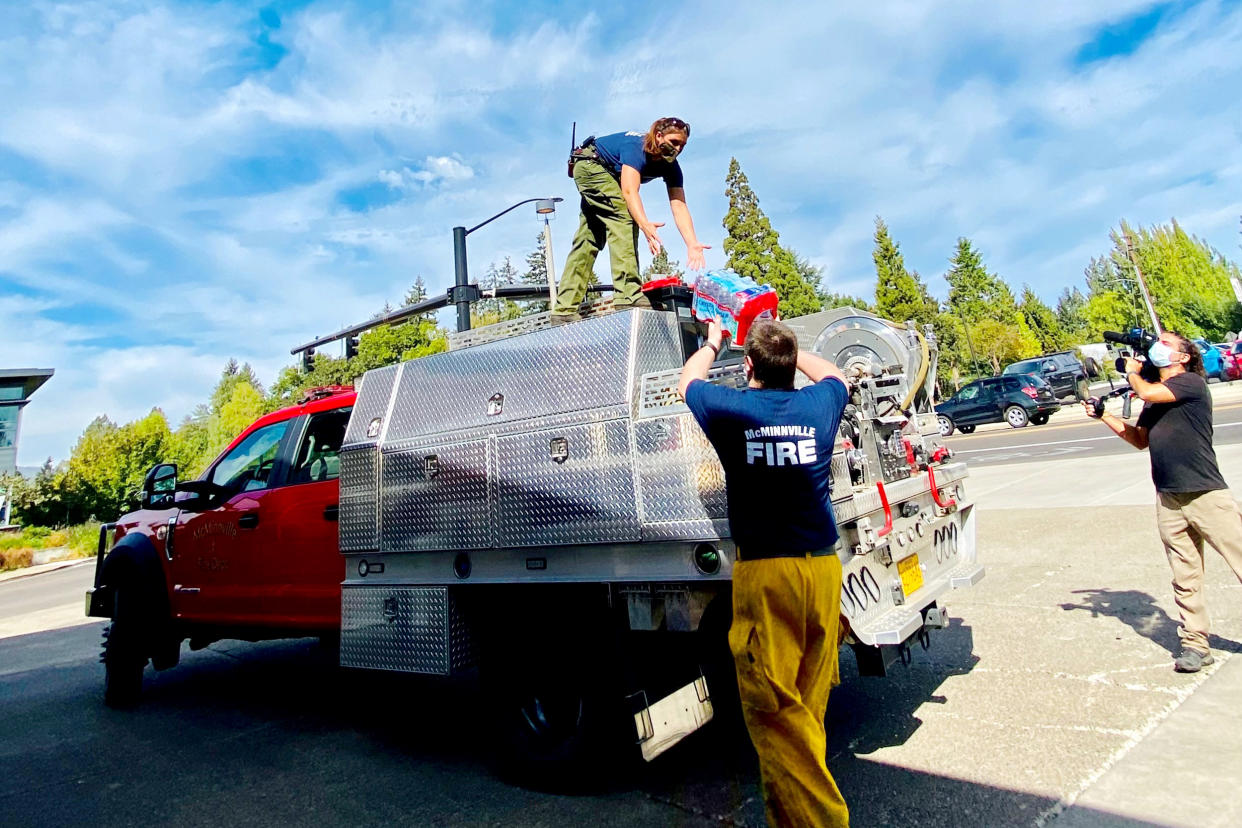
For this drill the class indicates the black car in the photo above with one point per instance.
(1016, 399)
(1062, 370)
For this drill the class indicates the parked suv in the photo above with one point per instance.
(1062, 370)
(1015, 399)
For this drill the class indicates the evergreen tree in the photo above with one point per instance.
(416, 293)
(1070, 307)
(976, 296)
(1042, 322)
(661, 266)
(755, 251)
(487, 311)
(899, 294)
(536, 273)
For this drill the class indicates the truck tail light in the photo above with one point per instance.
(1031, 391)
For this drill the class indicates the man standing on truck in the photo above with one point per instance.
(608, 172)
(775, 444)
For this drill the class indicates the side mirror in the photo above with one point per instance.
(159, 486)
(203, 495)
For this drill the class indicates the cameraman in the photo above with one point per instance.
(1193, 502)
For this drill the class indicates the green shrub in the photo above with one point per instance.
(83, 539)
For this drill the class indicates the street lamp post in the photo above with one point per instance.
(463, 293)
(546, 208)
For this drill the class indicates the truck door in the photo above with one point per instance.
(216, 565)
(304, 565)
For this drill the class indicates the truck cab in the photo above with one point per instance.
(248, 550)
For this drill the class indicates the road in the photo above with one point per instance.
(46, 601)
(1069, 434)
(1054, 670)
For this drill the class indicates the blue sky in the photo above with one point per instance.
(184, 183)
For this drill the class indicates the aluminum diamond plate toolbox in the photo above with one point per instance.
(436, 498)
(577, 367)
(680, 480)
(408, 629)
(358, 518)
(371, 407)
(567, 485)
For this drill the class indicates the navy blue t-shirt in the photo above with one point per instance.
(776, 449)
(627, 148)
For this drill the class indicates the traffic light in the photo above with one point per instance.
(351, 347)
(308, 360)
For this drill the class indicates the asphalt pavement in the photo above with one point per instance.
(1049, 701)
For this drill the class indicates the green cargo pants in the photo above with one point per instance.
(605, 219)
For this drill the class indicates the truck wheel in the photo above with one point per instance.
(122, 654)
(1015, 415)
(554, 726)
(1092, 367)
(946, 425)
(1081, 390)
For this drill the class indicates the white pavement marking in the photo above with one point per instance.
(1063, 442)
(1153, 721)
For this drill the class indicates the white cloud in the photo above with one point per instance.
(163, 175)
(434, 169)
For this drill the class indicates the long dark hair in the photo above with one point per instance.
(1190, 349)
(651, 144)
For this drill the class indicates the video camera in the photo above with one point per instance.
(1139, 341)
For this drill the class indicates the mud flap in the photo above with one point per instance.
(671, 719)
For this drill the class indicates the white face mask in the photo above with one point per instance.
(1161, 355)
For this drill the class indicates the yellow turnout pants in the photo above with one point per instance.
(786, 614)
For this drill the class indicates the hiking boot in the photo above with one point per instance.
(563, 318)
(1191, 661)
(642, 302)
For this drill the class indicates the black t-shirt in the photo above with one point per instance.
(1179, 438)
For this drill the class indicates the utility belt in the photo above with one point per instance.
(768, 554)
(585, 152)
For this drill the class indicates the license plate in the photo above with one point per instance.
(911, 574)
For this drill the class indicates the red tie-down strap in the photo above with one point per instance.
(935, 490)
(888, 512)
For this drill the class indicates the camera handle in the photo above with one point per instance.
(1097, 403)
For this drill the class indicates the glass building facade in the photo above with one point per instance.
(16, 386)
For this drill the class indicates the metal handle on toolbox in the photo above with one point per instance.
(935, 490)
(888, 513)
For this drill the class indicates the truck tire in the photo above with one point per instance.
(556, 698)
(1092, 367)
(122, 651)
(1081, 390)
(946, 425)
(554, 726)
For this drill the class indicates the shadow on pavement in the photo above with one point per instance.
(275, 733)
(1139, 611)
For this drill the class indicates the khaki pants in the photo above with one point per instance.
(786, 614)
(605, 220)
(1186, 520)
